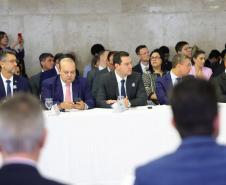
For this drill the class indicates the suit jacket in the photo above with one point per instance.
(35, 84)
(96, 81)
(197, 161)
(21, 174)
(20, 84)
(108, 89)
(91, 76)
(52, 88)
(137, 68)
(163, 85)
(220, 84)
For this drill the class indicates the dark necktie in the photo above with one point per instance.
(123, 91)
(8, 91)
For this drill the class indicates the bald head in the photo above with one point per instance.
(67, 70)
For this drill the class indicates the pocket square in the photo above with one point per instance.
(133, 84)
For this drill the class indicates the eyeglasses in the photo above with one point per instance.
(154, 58)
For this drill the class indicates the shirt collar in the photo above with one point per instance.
(118, 78)
(4, 79)
(19, 160)
(143, 66)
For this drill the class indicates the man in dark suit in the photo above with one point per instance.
(181, 66)
(220, 81)
(121, 82)
(67, 89)
(199, 159)
(10, 83)
(144, 63)
(46, 63)
(22, 136)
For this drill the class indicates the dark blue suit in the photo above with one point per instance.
(163, 85)
(22, 174)
(52, 88)
(19, 84)
(198, 161)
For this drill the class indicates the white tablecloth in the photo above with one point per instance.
(99, 147)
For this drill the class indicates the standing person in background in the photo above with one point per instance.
(166, 53)
(95, 50)
(182, 47)
(17, 47)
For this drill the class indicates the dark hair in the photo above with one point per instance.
(43, 56)
(57, 57)
(5, 52)
(194, 106)
(96, 49)
(197, 53)
(139, 48)
(164, 49)
(110, 54)
(223, 53)
(180, 45)
(2, 33)
(117, 58)
(214, 54)
(163, 65)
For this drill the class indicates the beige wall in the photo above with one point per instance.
(74, 25)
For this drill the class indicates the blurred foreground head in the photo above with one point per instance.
(194, 106)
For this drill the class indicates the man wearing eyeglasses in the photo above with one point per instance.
(9, 82)
(144, 63)
(182, 47)
(181, 66)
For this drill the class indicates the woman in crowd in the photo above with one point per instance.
(198, 70)
(17, 47)
(157, 69)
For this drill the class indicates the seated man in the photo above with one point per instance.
(9, 82)
(199, 159)
(183, 47)
(144, 60)
(46, 63)
(181, 66)
(22, 136)
(220, 81)
(121, 82)
(67, 89)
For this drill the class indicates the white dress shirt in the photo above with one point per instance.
(174, 78)
(118, 78)
(144, 68)
(5, 83)
(64, 89)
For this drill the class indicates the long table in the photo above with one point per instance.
(101, 147)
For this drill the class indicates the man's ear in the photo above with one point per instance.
(173, 122)
(43, 139)
(216, 125)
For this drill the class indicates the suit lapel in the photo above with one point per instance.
(75, 88)
(2, 88)
(169, 81)
(114, 84)
(58, 92)
(129, 85)
(15, 84)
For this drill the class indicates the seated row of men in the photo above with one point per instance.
(103, 86)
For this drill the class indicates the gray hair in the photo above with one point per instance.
(178, 59)
(21, 123)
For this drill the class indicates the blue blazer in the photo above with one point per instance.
(198, 161)
(19, 84)
(52, 88)
(163, 85)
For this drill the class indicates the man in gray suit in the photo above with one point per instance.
(46, 63)
(121, 83)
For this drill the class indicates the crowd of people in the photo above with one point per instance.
(184, 83)
(110, 75)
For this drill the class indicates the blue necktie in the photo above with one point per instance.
(8, 91)
(123, 91)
